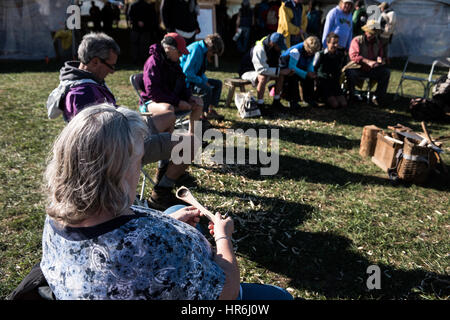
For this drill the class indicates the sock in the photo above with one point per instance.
(276, 97)
(166, 182)
(260, 101)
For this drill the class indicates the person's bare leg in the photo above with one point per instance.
(261, 86)
(197, 111)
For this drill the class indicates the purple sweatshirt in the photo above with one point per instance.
(83, 95)
(164, 80)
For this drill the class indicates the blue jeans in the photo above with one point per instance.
(210, 95)
(249, 291)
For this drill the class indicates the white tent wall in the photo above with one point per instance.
(422, 30)
(26, 26)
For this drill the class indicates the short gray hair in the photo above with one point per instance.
(96, 45)
(89, 162)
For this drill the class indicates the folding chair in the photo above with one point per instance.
(427, 83)
(137, 81)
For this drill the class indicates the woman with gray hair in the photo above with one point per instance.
(96, 245)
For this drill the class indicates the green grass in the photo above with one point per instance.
(313, 228)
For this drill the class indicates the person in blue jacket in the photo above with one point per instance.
(194, 66)
(299, 58)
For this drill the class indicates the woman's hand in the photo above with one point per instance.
(221, 227)
(189, 215)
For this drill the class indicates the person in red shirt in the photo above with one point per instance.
(367, 51)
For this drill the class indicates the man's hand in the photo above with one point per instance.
(372, 64)
(311, 75)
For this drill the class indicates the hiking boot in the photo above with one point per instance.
(163, 198)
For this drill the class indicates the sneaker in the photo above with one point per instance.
(163, 198)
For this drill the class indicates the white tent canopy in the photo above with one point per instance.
(422, 30)
(25, 27)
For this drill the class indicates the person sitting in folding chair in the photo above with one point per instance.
(194, 66)
(165, 88)
(83, 85)
(366, 51)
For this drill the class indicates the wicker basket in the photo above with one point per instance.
(414, 166)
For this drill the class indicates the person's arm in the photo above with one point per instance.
(304, 23)
(166, 15)
(284, 23)
(294, 57)
(155, 88)
(329, 25)
(259, 60)
(192, 65)
(222, 230)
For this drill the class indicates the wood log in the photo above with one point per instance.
(369, 140)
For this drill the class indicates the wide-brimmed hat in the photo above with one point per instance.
(371, 26)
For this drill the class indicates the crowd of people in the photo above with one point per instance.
(96, 243)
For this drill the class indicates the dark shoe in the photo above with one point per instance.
(294, 105)
(163, 198)
(311, 103)
(186, 180)
(277, 105)
(212, 114)
(206, 125)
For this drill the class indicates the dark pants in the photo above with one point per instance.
(140, 41)
(210, 94)
(380, 74)
(291, 90)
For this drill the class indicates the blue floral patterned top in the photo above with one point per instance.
(148, 255)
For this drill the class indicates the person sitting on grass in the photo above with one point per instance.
(261, 64)
(97, 246)
(194, 66)
(328, 64)
(299, 58)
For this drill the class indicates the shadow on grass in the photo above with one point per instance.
(321, 262)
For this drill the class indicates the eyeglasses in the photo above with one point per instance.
(112, 67)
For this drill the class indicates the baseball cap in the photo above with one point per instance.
(278, 39)
(174, 39)
(351, 1)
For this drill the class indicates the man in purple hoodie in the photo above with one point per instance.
(82, 84)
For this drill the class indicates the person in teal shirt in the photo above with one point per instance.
(194, 67)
